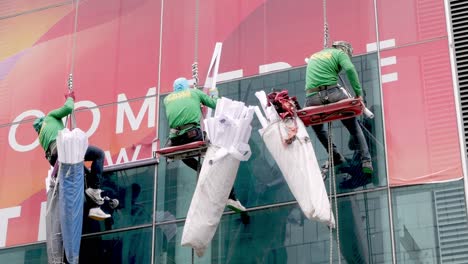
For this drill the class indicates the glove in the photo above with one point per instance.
(70, 94)
(213, 92)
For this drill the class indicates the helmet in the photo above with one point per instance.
(180, 84)
(38, 124)
(344, 46)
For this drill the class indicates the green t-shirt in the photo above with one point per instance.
(324, 66)
(53, 123)
(184, 107)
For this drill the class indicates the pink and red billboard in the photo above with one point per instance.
(127, 51)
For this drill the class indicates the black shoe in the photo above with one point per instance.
(338, 159)
(355, 182)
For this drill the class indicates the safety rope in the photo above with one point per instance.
(195, 60)
(325, 25)
(72, 64)
(75, 27)
(330, 188)
(332, 181)
(330, 144)
(333, 197)
(195, 70)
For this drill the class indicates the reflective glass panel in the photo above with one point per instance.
(430, 223)
(133, 188)
(118, 248)
(127, 247)
(283, 235)
(27, 254)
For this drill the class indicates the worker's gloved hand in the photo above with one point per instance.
(213, 92)
(70, 94)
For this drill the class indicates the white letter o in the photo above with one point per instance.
(12, 133)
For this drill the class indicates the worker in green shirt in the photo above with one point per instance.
(183, 112)
(47, 129)
(322, 88)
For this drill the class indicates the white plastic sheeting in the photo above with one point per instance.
(229, 132)
(71, 145)
(230, 127)
(297, 162)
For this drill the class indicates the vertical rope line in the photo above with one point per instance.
(331, 181)
(158, 95)
(72, 65)
(197, 14)
(158, 101)
(195, 63)
(335, 197)
(75, 27)
(325, 25)
(195, 52)
(265, 33)
(330, 189)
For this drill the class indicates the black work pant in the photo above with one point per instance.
(93, 154)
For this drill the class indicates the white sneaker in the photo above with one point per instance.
(235, 205)
(95, 195)
(97, 214)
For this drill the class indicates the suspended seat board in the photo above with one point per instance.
(315, 115)
(193, 149)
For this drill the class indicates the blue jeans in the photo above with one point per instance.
(334, 95)
(96, 155)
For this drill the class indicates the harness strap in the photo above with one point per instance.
(183, 127)
(321, 88)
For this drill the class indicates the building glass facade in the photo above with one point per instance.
(274, 230)
(382, 219)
